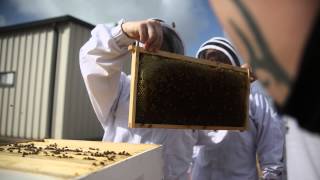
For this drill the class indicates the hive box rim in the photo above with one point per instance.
(147, 149)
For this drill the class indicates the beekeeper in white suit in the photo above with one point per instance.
(233, 155)
(101, 62)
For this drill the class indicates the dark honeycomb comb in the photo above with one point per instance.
(175, 91)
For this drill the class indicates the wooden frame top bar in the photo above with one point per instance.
(134, 48)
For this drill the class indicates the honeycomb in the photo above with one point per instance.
(177, 92)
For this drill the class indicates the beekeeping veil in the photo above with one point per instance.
(222, 45)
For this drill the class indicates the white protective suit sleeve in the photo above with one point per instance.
(101, 61)
(270, 135)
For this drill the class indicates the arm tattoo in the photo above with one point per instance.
(266, 61)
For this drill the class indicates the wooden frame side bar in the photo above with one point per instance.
(247, 101)
(133, 86)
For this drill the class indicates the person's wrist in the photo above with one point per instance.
(123, 29)
(119, 36)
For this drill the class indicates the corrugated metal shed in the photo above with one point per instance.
(42, 93)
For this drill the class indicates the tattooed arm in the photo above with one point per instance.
(270, 35)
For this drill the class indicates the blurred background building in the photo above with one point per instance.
(42, 93)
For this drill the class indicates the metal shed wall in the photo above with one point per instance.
(74, 117)
(25, 107)
(48, 98)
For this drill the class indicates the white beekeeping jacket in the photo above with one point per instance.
(234, 157)
(101, 61)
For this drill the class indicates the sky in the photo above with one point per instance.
(193, 18)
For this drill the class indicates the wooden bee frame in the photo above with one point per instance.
(229, 104)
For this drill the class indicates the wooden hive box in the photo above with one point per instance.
(73, 159)
(175, 91)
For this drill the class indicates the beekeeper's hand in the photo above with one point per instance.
(148, 32)
(253, 77)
